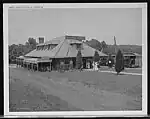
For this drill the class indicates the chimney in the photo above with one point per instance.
(41, 40)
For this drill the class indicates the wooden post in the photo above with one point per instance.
(17, 62)
(37, 66)
(27, 66)
(23, 64)
(49, 66)
(32, 66)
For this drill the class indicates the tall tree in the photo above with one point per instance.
(79, 60)
(119, 66)
(103, 45)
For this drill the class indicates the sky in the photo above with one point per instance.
(99, 23)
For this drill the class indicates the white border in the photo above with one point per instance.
(77, 5)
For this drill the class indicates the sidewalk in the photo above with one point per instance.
(112, 71)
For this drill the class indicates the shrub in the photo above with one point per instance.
(79, 60)
(96, 57)
(119, 66)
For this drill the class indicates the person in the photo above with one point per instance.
(93, 64)
(96, 66)
(61, 66)
(71, 65)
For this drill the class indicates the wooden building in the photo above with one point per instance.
(64, 49)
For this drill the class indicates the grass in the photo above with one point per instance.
(129, 85)
(26, 96)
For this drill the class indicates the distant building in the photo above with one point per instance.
(131, 58)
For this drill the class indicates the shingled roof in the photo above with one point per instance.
(64, 50)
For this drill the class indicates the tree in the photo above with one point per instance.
(96, 57)
(103, 45)
(79, 60)
(32, 43)
(94, 44)
(119, 66)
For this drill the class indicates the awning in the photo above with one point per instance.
(36, 60)
(20, 57)
(31, 60)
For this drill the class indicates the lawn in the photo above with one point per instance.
(130, 70)
(28, 96)
(129, 85)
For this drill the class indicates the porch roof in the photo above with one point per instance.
(36, 60)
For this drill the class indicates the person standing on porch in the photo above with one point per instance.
(61, 65)
(71, 65)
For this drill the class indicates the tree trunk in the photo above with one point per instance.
(117, 73)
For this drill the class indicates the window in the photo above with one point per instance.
(49, 47)
(45, 47)
(53, 46)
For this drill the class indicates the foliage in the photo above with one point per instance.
(125, 48)
(96, 57)
(20, 49)
(94, 44)
(103, 45)
(119, 66)
(111, 48)
(79, 60)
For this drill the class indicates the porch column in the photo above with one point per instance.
(49, 66)
(17, 62)
(27, 65)
(37, 66)
(32, 66)
(23, 64)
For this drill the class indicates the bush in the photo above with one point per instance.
(119, 66)
(79, 60)
(96, 57)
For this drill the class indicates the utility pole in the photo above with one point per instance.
(115, 45)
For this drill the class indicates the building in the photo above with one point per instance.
(50, 54)
(131, 59)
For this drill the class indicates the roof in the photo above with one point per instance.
(136, 54)
(64, 50)
(21, 57)
(35, 60)
(130, 54)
